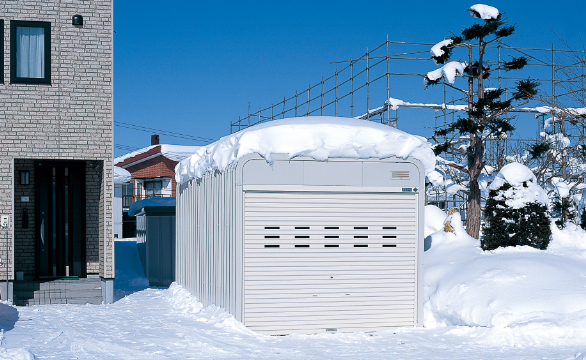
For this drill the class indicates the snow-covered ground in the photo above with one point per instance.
(515, 303)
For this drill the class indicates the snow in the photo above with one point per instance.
(449, 71)
(120, 159)
(318, 137)
(434, 220)
(137, 206)
(394, 103)
(178, 152)
(436, 178)
(486, 12)
(561, 187)
(121, 175)
(525, 188)
(437, 51)
(172, 152)
(454, 188)
(513, 303)
(520, 295)
(559, 141)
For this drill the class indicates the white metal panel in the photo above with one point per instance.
(318, 261)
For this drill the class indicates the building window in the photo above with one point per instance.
(30, 52)
(127, 195)
(153, 188)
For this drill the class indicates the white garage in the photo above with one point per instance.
(297, 245)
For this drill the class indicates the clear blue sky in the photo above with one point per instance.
(192, 67)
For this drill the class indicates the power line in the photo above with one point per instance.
(163, 132)
(126, 147)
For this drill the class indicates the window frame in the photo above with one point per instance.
(2, 52)
(37, 24)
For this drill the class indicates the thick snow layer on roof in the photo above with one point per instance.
(137, 206)
(525, 188)
(436, 50)
(318, 137)
(173, 152)
(484, 11)
(178, 152)
(121, 175)
(449, 71)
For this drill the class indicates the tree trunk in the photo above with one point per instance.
(475, 166)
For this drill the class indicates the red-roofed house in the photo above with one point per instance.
(153, 173)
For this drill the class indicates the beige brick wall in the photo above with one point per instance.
(69, 119)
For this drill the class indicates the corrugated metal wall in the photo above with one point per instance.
(207, 247)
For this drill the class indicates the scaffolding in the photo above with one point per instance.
(367, 87)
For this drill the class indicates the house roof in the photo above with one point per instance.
(172, 152)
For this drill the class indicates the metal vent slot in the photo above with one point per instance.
(332, 237)
(332, 227)
(272, 227)
(389, 245)
(329, 245)
(389, 228)
(272, 246)
(301, 236)
(272, 237)
(302, 227)
(360, 236)
(360, 227)
(302, 246)
(400, 175)
(360, 245)
(389, 236)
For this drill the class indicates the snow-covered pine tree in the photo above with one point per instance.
(516, 211)
(486, 112)
(563, 209)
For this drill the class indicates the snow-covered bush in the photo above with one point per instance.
(516, 210)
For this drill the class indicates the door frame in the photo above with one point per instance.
(82, 216)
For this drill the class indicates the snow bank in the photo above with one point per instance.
(317, 137)
(434, 220)
(484, 11)
(449, 71)
(520, 294)
(16, 354)
(525, 188)
(121, 175)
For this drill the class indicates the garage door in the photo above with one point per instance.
(323, 261)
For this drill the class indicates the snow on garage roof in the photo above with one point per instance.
(318, 137)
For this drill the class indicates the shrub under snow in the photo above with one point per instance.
(516, 210)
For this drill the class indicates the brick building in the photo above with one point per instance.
(153, 174)
(56, 154)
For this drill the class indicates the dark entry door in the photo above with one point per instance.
(60, 225)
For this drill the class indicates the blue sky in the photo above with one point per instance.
(192, 67)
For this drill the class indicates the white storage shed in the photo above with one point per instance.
(288, 243)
